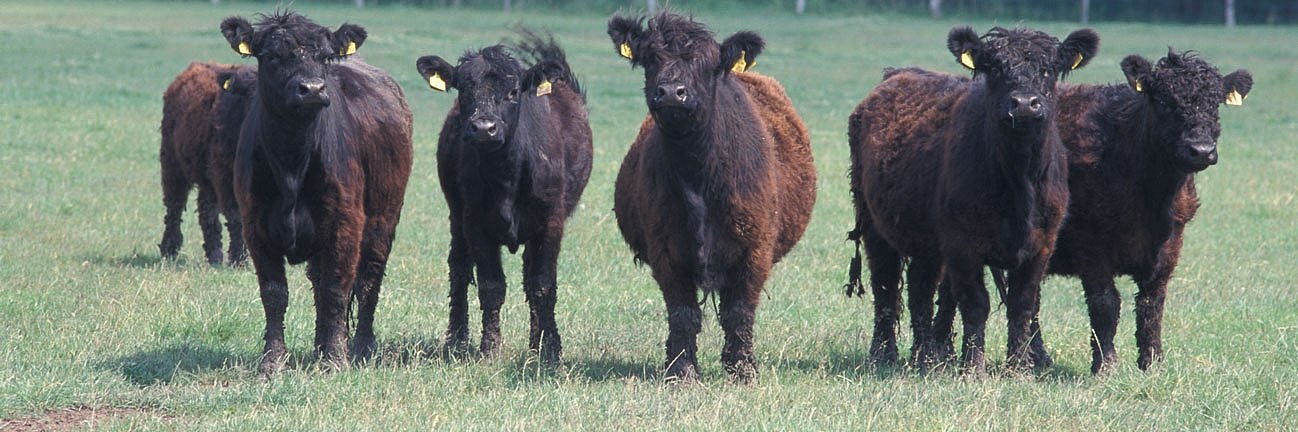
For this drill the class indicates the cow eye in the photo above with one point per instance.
(513, 93)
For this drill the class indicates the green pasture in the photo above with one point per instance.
(92, 320)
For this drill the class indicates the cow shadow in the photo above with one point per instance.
(138, 261)
(162, 366)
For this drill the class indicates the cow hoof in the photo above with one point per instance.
(883, 354)
(273, 359)
(363, 347)
(681, 373)
(1104, 367)
(1041, 360)
(490, 346)
(1148, 358)
(743, 373)
(974, 365)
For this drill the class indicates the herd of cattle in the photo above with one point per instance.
(307, 156)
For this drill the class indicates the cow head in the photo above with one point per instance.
(1184, 92)
(488, 85)
(1021, 67)
(682, 64)
(237, 87)
(293, 54)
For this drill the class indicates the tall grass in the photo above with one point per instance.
(91, 317)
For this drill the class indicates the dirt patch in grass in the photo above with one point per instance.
(66, 419)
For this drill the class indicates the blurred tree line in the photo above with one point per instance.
(1158, 11)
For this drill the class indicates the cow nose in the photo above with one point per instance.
(484, 129)
(1025, 105)
(310, 88)
(671, 94)
(1203, 153)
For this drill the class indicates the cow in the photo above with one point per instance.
(191, 156)
(237, 86)
(513, 158)
(320, 175)
(952, 174)
(718, 185)
(1134, 149)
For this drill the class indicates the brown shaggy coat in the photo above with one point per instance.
(711, 195)
(320, 175)
(192, 155)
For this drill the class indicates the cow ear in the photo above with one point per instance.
(436, 72)
(1237, 86)
(1137, 70)
(224, 78)
(964, 44)
(238, 32)
(626, 35)
(1078, 49)
(739, 51)
(348, 38)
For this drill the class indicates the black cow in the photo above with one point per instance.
(719, 184)
(320, 174)
(955, 174)
(1133, 151)
(513, 158)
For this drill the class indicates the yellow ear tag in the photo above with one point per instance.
(966, 59)
(625, 50)
(351, 49)
(740, 64)
(543, 88)
(1077, 61)
(244, 49)
(1138, 87)
(226, 84)
(437, 83)
(1234, 98)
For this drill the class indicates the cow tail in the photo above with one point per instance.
(998, 277)
(853, 286)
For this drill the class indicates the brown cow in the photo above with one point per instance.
(955, 174)
(192, 155)
(717, 187)
(320, 175)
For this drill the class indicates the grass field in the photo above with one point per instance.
(94, 325)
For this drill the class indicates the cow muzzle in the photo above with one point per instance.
(312, 93)
(485, 130)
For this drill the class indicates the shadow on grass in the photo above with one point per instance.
(137, 260)
(152, 367)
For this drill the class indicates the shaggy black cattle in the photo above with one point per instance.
(192, 156)
(320, 175)
(717, 187)
(1133, 151)
(955, 174)
(237, 87)
(513, 158)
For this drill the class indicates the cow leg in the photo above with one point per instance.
(684, 321)
(1104, 304)
(921, 281)
(540, 261)
(943, 337)
(967, 281)
(237, 254)
(885, 280)
(456, 339)
(1021, 307)
(375, 247)
(740, 295)
(209, 222)
(175, 193)
(1149, 316)
(491, 295)
(273, 287)
(1040, 356)
(333, 274)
